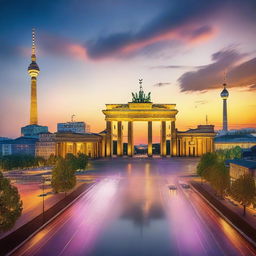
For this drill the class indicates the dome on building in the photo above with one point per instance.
(224, 93)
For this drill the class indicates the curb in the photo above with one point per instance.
(224, 217)
(50, 220)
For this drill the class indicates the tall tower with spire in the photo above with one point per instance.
(33, 71)
(33, 129)
(224, 95)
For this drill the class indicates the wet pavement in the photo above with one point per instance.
(131, 211)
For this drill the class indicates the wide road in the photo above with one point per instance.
(131, 211)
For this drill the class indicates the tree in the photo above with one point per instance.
(243, 190)
(219, 177)
(72, 161)
(206, 161)
(52, 160)
(10, 204)
(232, 153)
(82, 161)
(63, 176)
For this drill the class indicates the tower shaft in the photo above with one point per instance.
(33, 102)
(225, 116)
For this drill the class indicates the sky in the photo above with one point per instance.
(91, 53)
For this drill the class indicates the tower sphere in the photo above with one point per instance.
(224, 94)
(33, 69)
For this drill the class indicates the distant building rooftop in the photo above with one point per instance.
(33, 130)
(235, 138)
(245, 163)
(200, 129)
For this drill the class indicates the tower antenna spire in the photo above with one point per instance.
(206, 119)
(33, 56)
(225, 78)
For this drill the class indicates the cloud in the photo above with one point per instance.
(201, 102)
(241, 73)
(55, 45)
(124, 44)
(185, 22)
(252, 87)
(176, 67)
(160, 84)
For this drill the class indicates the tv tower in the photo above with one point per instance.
(224, 95)
(33, 71)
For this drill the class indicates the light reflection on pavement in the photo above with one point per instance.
(131, 211)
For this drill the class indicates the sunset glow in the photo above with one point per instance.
(86, 64)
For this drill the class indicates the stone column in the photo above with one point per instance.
(150, 150)
(196, 146)
(64, 149)
(130, 139)
(74, 148)
(181, 146)
(85, 149)
(163, 138)
(204, 146)
(57, 149)
(109, 139)
(103, 146)
(173, 139)
(212, 145)
(119, 139)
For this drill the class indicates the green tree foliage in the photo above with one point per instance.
(77, 162)
(206, 161)
(52, 160)
(219, 177)
(243, 190)
(212, 169)
(20, 161)
(227, 154)
(63, 176)
(82, 161)
(10, 204)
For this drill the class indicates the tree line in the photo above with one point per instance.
(10, 162)
(212, 169)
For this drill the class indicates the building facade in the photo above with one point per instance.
(238, 167)
(75, 127)
(60, 144)
(196, 142)
(19, 146)
(244, 141)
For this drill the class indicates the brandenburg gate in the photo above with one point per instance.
(140, 109)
